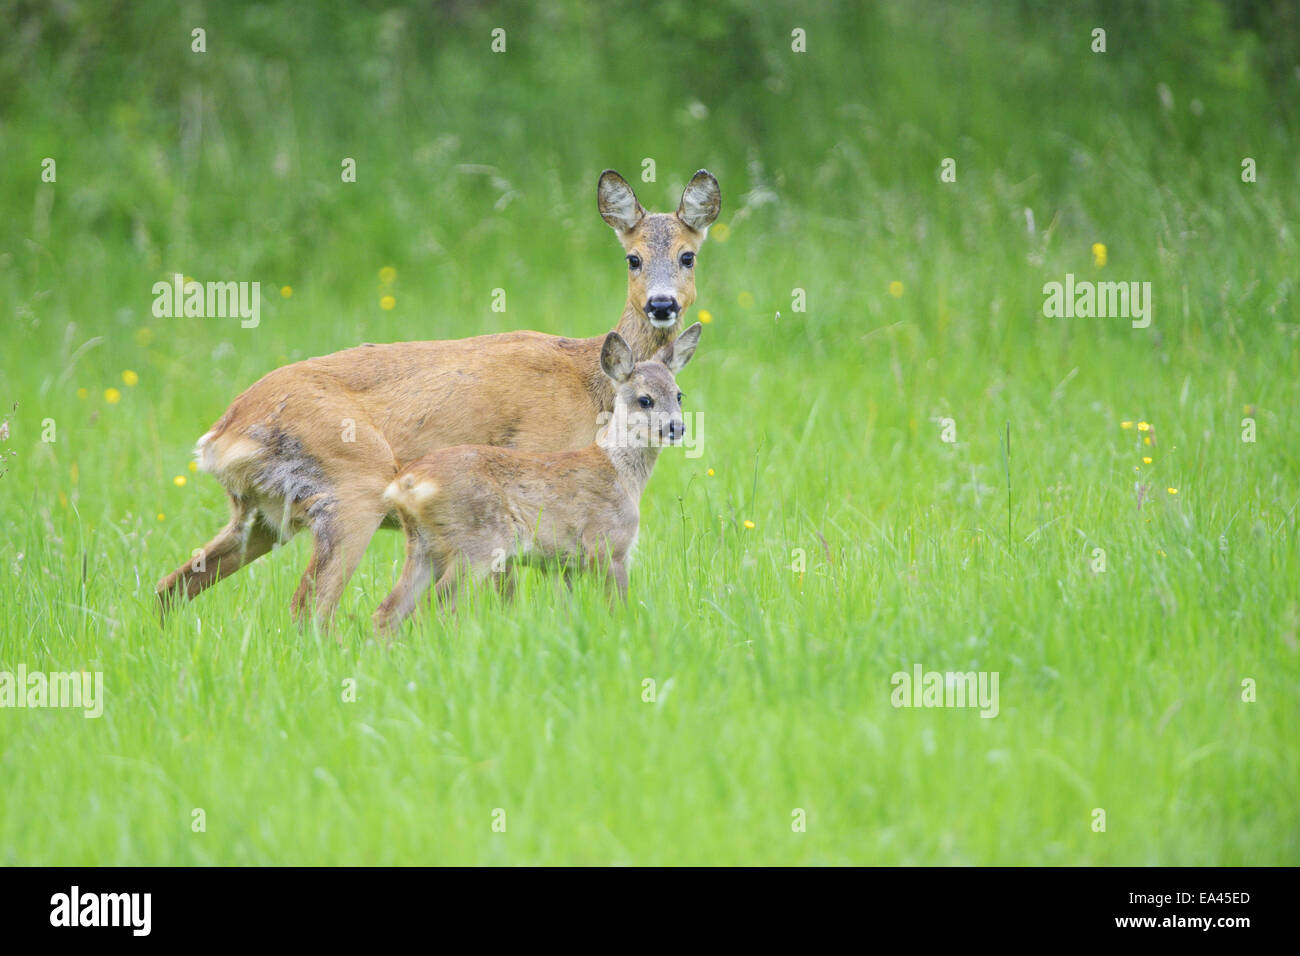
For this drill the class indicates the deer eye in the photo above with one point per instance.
(680, 396)
(646, 401)
(634, 261)
(688, 259)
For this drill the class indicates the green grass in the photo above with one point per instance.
(1119, 690)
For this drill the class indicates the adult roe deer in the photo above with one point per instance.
(316, 443)
(468, 508)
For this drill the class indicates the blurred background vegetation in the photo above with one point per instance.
(475, 169)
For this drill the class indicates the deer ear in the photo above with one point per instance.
(701, 201)
(617, 202)
(679, 351)
(616, 359)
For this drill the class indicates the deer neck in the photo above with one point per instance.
(633, 464)
(644, 338)
(645, 341)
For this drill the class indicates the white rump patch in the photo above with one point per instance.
(409, 492)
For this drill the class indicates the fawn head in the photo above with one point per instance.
(661, 247)
(647, 401)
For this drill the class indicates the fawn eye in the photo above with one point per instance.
(688, 259)
(634, 261)
(646, 401)
(680, 396)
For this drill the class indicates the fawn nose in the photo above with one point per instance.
(661, 308)
(676, 430)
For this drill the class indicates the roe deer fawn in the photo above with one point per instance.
(315, 444)
(467, 508)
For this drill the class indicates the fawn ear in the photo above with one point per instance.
(679, 351)
(617, 202)
(616, 359)
(701, 201)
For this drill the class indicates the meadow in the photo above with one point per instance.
(916, 467)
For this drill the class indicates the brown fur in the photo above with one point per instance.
(471, 511)
(315, 444)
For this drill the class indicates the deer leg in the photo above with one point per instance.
(505, 583)
(616, 582)
(458, 569)
(421, 567)
(614, 564)
(302, 595)
(237, 544)
(341, 536)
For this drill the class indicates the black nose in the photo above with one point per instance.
(661, 307)
(676, 430)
